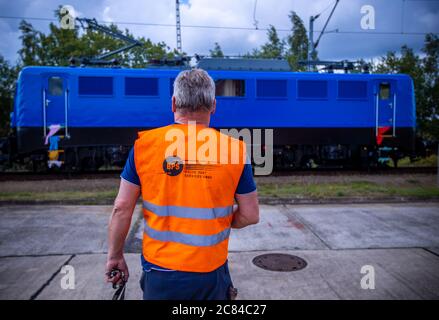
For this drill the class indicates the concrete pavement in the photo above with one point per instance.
(401, 242)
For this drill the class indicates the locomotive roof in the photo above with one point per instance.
(173, 71)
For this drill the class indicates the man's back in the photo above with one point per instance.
(187, 202)
(189, 177)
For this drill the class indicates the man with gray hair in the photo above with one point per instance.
(188, 202)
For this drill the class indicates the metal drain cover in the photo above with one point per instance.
(279, 262)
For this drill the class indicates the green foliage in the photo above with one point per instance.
(8, 74)
(216, 52)
(293, 48)
(59, 45)
(297, 43)
(273, 49)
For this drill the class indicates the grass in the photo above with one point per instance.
(355, 189)
(430, 161)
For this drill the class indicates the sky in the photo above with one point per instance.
(413, 18)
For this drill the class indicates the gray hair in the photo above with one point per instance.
(194, 91)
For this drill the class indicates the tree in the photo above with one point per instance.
(430, 103)
(30, 52)
(59, 45)
(8, 75)
(274, 48)
(216, 52)
(297, 42)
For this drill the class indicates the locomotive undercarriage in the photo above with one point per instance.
(335, 156)
(93, 158)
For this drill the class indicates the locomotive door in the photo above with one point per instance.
(385, 108)
(55, 102)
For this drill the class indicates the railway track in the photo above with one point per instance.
(108, 174)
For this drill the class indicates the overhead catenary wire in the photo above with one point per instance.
(170, 25)
(255, 22)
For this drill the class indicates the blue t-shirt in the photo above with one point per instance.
(246, 184)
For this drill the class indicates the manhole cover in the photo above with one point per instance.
(279, 262)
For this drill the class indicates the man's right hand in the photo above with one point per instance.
(119, 264)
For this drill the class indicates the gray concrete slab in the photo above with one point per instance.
(51, 229)
(333, 239)
(278, 229)
(372, 225)
(21, 277)
(335, 274)
(90, 284)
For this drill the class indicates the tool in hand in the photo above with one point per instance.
(119, 286)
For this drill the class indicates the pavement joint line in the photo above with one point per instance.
(432, 252)
(230, 251)
(400, 279)
(37, 293)
(332, 288)
(287, 212)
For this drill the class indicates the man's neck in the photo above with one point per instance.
(199, 118)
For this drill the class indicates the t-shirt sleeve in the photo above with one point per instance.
(129, 172)
(246, 183)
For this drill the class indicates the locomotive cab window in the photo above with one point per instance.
(384, 91)
(55, 86)
(141, 86)
(229, 88)
(95, 86)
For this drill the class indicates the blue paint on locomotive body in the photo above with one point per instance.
(309, 100)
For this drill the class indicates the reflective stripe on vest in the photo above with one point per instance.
(188, 239)
(185, 212)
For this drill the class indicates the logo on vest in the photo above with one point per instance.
(173, 166)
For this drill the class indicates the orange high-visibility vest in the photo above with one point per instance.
(187, 203)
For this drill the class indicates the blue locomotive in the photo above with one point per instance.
(84, 117)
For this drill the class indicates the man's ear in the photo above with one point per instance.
(213, 107)
(174, 108)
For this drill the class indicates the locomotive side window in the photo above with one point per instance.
(95, 85)
(352, 89)
(312, 89)
(55, 86)
(271, 88)
(141, 86)
(230, 88)
(384, 91)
